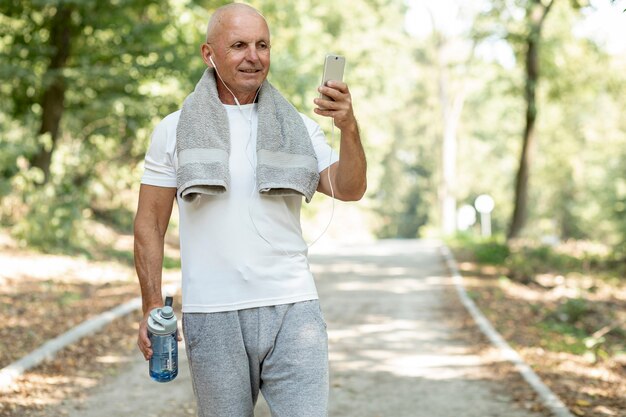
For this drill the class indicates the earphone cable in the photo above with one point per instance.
(252, 165)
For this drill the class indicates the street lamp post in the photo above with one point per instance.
(484, 205)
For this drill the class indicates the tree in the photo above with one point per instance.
(85, 79)
(88, 59)
(122, 66)
(451, 102)
(536, 12)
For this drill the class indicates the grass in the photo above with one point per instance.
(127, 257)
(554, 305)
(562, 337)
(564, 324)
(69, 297)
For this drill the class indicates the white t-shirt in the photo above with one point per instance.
(227, 262)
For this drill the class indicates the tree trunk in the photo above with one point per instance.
(451, 109)
(54, 91)
(536, 16)
(447, 200)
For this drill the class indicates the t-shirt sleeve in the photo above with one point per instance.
(159, 166)
(326, 156)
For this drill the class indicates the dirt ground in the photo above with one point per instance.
(589, 386)
(400, 345)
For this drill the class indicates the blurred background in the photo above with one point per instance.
(519, 100)
(497, 126)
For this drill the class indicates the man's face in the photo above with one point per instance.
(241, 52)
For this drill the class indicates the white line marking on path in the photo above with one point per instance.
(9, 373)
(549, 398)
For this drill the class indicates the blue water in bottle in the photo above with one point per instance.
(163, 334)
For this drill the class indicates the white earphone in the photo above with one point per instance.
(218, 74)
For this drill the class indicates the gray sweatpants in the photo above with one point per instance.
(281, 350)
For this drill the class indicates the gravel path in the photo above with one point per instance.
(397, 346)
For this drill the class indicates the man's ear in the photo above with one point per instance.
(205, 51)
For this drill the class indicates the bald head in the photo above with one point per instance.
(225, 13)
(238, 47)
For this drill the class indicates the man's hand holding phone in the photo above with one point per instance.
(338, 106)
(335, 100)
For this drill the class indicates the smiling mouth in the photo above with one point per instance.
(249, 71)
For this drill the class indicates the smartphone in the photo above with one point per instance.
(333, 70)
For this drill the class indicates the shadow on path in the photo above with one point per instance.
(398, 346)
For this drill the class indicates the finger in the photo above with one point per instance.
(325, 112)
(146, 351)
(326, 104)
(143, 336)
(333, 93)
(143, 341)
(338, 85)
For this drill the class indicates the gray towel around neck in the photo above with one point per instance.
(286, 161)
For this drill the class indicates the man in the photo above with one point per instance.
(238, 158)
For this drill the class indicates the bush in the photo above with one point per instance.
(522, 268)
(572, 310)
(491, 252)
(486, 251)
(53, 216)
(526, 262)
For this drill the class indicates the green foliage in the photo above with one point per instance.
(525, 262)
(563, 337)
(128, 258)
(122, 256)
(572, 310)
(171, 263)
(68, 298)
(566, 321)
(129, 66)
(578, 161)
(123, 71)
(493, 251)
(52, 222)
(132, 62)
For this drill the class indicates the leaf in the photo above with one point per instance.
(583, 403)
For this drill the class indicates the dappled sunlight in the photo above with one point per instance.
(391, 331)
(483, 270)
(394, 286)
(578, 366)
(432, 366)
(50, 389)
(377, 249)
(108, 359)
(398, 333)
(551, 320)
(358, 268)
(580, 381)
(401, 347)
(451, 98)
(554, 288)
(28, 305)
(61, 268)
(114, 291)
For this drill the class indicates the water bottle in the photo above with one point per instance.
(163, 334)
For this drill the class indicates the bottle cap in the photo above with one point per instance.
(162, 321)
(167, 312)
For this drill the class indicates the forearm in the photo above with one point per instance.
(347, 177)
(350, 178)
(149, 243)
